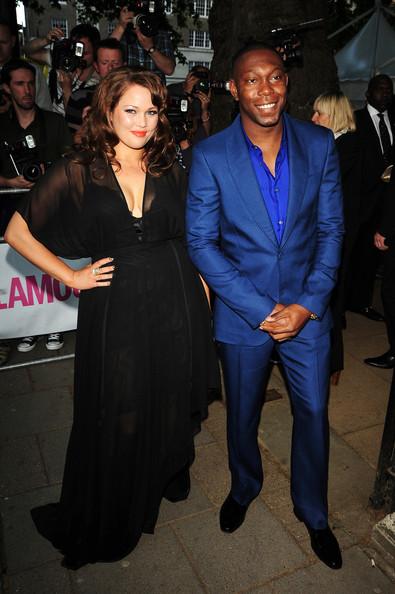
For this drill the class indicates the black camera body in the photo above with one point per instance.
(203, 84)
(66, 55)
(177, 113)
(146, 16)
(24, 157)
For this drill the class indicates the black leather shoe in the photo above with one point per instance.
(386, 361)
(232, 514)
(326, 547)
(370, 313)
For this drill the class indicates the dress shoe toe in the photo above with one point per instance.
(232, 514)
(326, 547)
(386, 361)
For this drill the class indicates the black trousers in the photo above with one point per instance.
(364, 262)
(388, 294)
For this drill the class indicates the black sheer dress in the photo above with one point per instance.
(145, 361)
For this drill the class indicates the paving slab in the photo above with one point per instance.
(204, 437)
(53, 445)
(21, 466)
(15, 381)
(210, 469)
(56, 374)
(25, 548)
(258, 551)
(157, 566)
(366, 442)
(35, 412)
(357, 576)
(50, 578)
(351, 479)
(275, 429)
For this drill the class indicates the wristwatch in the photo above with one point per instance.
(151, 49)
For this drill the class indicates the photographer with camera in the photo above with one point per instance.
(71, 61)
(144, 43)
(31, 139)
(108, 55)
(7, 52)
(189, 111)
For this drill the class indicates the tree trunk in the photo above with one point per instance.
(232, 23)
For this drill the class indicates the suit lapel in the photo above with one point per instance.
(297, 177)
(244, 178)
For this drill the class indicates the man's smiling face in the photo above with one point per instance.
(259, 84)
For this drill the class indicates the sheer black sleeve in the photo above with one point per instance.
(53, 209)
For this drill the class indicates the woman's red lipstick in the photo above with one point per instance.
(141, 133)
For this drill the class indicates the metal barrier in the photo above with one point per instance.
(34, 361)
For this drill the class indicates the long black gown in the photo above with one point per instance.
(144, 362)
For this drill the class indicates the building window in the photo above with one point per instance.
(199, 38)
(61, 24)
(168, 6)
(110, 27)
(193, 63)
(202, 7)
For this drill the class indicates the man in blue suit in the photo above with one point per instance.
(264, 227)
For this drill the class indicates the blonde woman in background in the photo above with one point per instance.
(334, 111)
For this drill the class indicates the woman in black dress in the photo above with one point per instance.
(145, 361)
(334, 111)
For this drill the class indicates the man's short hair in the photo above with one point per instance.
(378, 79)
(85, 30)
(110, 43)
(250, 46)
(15, 64)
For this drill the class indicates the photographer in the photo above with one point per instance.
(7, 45)
(24, 118)
(108, 55)
(26, 124)
(189, 112)
(154, 53)
(82, 74)
(196, 89)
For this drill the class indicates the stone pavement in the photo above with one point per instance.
(269, 554)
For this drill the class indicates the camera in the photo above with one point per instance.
(24, 157)
(67, 55)
(289, 46)
(145, 17)
(177, 114)
(203, 84)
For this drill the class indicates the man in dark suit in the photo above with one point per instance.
(264, 227)
(376, 133)
(384, 240)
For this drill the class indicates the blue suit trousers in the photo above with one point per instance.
(306, 366)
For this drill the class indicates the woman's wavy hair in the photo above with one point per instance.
(339, 110)
(97, 137)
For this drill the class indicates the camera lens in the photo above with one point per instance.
(31, 171)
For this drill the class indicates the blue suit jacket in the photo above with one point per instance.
(232, 242)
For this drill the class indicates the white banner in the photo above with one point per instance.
(31, 302)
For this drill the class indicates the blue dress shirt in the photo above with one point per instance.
(274, 189)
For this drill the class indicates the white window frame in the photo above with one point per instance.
(205, 8)
(195, 35)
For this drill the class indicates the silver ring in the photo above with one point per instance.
(95, 271)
